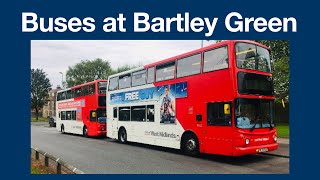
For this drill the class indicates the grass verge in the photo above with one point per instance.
(283, 130)
(40, 119)
(37, 167)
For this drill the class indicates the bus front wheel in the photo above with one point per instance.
(190, 144)
(122, 136)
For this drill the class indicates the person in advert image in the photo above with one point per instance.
(167, 108)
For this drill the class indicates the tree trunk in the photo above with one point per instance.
(37, 114)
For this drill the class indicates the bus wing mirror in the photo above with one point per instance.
(227, 109)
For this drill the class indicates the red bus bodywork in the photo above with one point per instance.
(218, 86)
(85, 104)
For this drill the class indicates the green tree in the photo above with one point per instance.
(123, 68)
(40, 86)
(88, 70)
(280, 52)
(281, 79)
(279, 48)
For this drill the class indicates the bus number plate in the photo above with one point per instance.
(262, 150)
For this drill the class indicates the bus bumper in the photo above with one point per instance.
(101, 133)
(240, 151)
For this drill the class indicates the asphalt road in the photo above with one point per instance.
(105, 156)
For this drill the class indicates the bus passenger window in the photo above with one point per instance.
(85, 90)
(115, 112)
(124, 113)
(165, 71)
(216, 115)
(189, 65)
(63, 95)
(139, 78)
(150, 75)
(113, 84)
(150, 113)
(215, 59)
(91, 89)
(125, 81)
(68, 115)
(138, 113)
(77, 92)
(73, 115)
(63, 115)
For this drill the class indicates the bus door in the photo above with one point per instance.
(93, 119)
(218, 128)
(114, 123)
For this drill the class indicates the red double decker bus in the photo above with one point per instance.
(82, 109)
(218, 99)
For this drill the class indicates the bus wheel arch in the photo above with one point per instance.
(122, 135)
(189, 143)
(85, 131)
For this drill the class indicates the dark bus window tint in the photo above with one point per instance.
(124, 113)
(63, 115)
(72, 93)
(58, 96)
(91, 89)
(150, 75)
(150, 113)
(125, 81)
(113, 84)
(77, 92)
(73, 115)
(165, 71)
(115, 112)
(102, 100)
(69, 95)
(68, 115)
(215, 59)
(139, 78)
(216, 116)
(102, 87)
(189, 65)
(85, 90)
(250, 83)
(138, 113)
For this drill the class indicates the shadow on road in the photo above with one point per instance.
(241, 160)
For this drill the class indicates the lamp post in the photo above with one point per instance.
(202, 43)
(61, 80)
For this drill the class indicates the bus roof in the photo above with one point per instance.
(226, 42)
(80, 85)
(91, 82)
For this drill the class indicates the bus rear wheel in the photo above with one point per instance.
(190, 145)
(85, 132)
(122, 136)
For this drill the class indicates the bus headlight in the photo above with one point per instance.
(247, 141)
(275, 138)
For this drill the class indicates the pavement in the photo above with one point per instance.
(283, 149)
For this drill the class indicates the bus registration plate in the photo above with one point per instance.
(262, 150)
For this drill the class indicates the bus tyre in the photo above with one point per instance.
(85, 131)
(190, 145)
(62, 128)
(122, 136)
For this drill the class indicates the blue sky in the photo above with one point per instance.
(56, 56)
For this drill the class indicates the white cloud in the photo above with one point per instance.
(56, 56)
